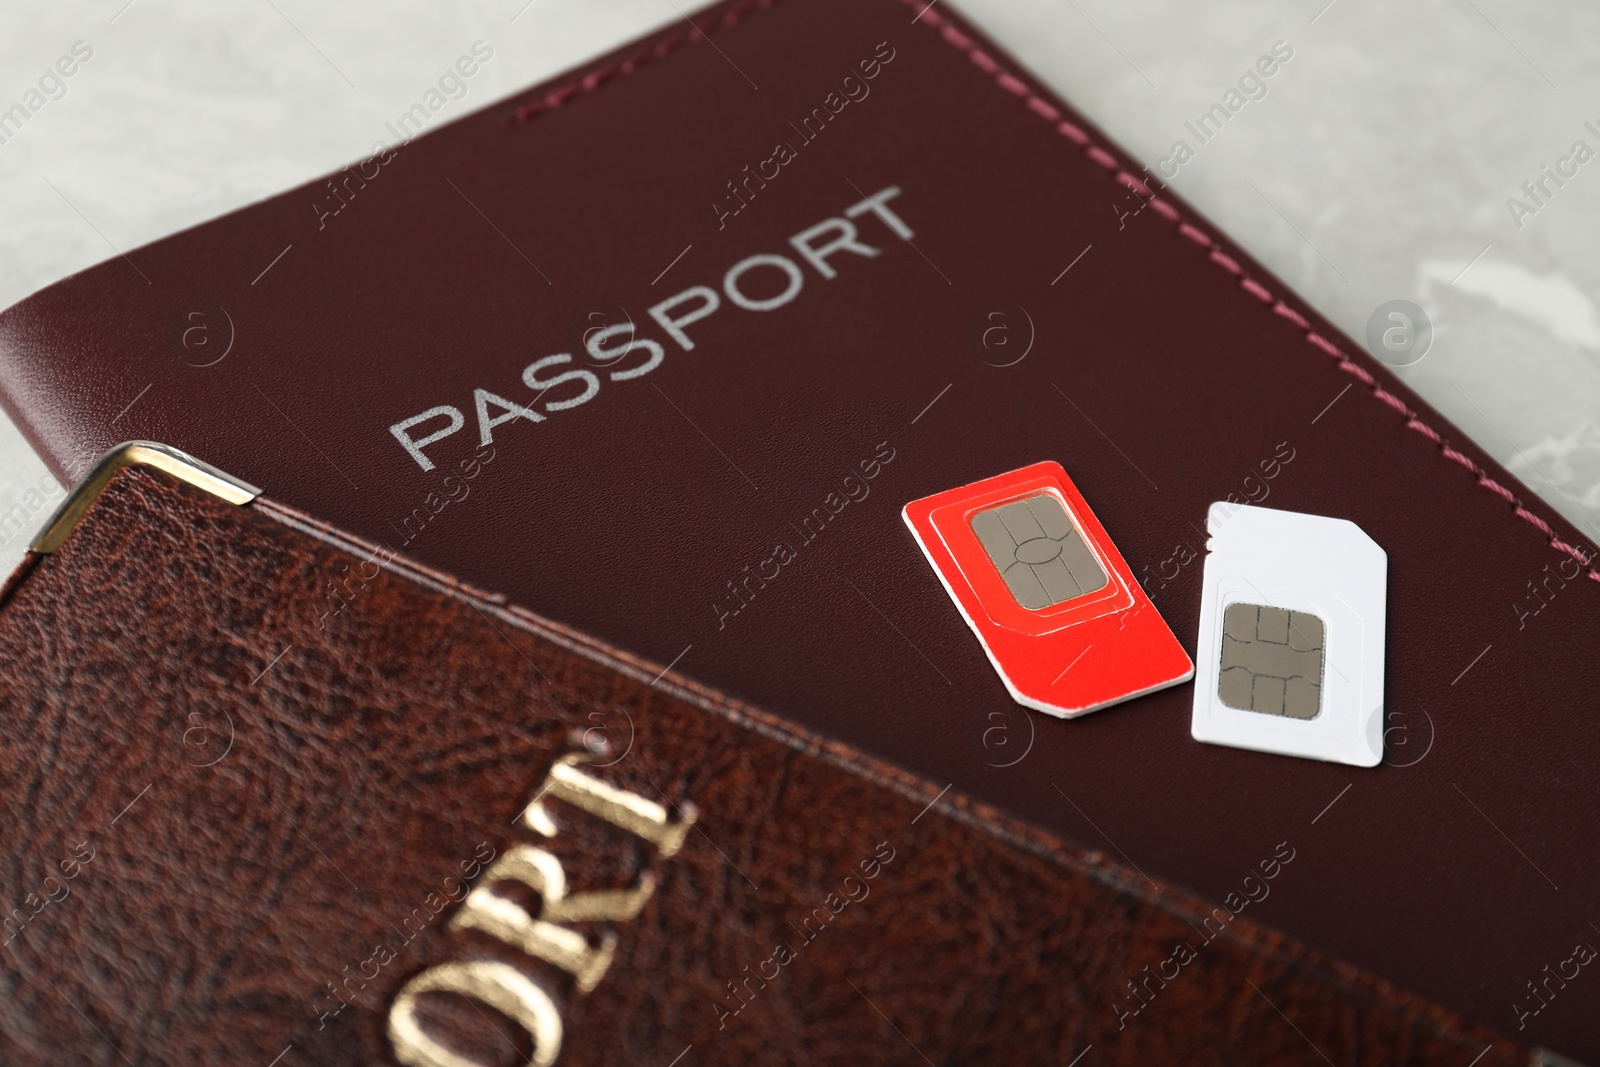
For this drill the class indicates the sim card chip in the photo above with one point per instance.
(1038, 551)
(1271, 660)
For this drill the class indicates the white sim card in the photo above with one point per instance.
(1292, 615)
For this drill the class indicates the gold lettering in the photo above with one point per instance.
(503, 987)
(622, 809)
(500, 986)
(510, 922)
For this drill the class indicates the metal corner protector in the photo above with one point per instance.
(179, 464)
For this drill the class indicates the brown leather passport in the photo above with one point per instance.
(722, 302)
(437, 830)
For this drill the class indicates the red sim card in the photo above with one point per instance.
(1052, 601)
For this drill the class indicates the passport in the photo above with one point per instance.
(437, 829)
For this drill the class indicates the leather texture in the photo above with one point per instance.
(1165, 369)
(259, 796)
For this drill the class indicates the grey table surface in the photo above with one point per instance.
(1382, 162)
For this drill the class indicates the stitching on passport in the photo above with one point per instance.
(1044, 109)
(1047, 111)
(696, 33)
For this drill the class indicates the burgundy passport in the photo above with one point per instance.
(719, 304)
(441, 831)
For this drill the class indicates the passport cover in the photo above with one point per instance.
(258, 833)
(725, 499)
